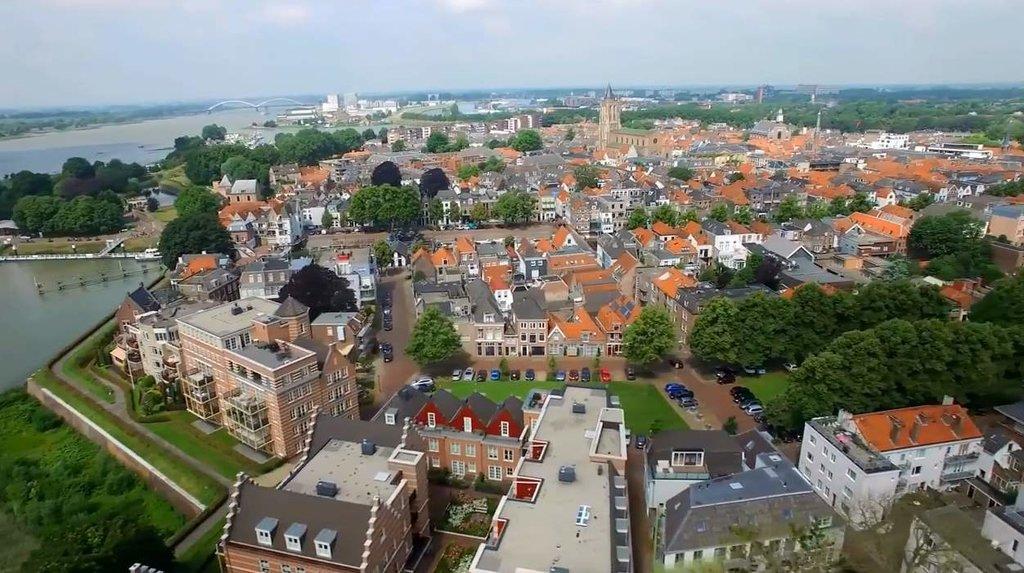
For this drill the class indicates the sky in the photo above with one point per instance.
(86, 52)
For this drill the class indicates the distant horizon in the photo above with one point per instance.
(484, 91)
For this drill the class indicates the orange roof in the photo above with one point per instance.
(735, 193)
(578, 322)
(199, 264)
(618, 314)
(313, 175)
(625, 262)
(495, 277)
(761, 227)
(878, 225)
(692, 228)
(464, 246)
(559, 263)
(589, 276)
(561, 234)
(231, 210)
(678, 246)
(643, 236)
(508, 153)
(662, 229)
(899, 211)
(959, 297)
(673, 279)
(935, 424)
(443, 257)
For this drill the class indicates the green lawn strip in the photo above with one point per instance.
(216, 450)
(75, 364)
(646, 408)
(166, 214)
(205, 489)
(59, 247)
(197, 558)
(767, 386)
(644, 404)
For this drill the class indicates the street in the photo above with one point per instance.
(360, 239)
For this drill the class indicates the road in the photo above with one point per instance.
(393, 375)
(535, 231)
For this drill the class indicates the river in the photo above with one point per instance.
(34, 326)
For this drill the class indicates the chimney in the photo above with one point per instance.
(895, 425)
(955, 423)
(947, 400)
(915, 429)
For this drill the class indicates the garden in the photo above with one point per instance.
(455, 559)
(469, 516)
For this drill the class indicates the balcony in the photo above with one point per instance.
(961, 458)
(247, 419)
(956, 475)
(201, 395)
(127, 341)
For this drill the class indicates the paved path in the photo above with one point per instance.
(119, 410)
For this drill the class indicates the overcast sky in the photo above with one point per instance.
(66, 52)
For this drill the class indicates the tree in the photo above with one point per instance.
(214, 132)
(570, 134)
(515, 207)
(527, 140)
(495, 143)
(433, 338)
(152, 204)
(743, 215)
(196, 199)
(681, 173)
(586, 176)
(720, 212)
(921, 201)
(938, 235)
(369, 134)
(735, 176)
(384, 205)
(327, 221)
(437, 142)
(432, 181)
(239, 167)
(78, 167)
(194, 233)
(386, 173)
(398, 146)
(1004, 304)
(33, 214)
(467, 171)
(320, 289)
(897, 268)
(788, 209)
(383, 253)
(435, 211)
(650, 337)
(492, 164)
(638, 218)
(382, 135)
(730, 426)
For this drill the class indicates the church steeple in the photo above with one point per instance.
(608, 94)
(778, 116)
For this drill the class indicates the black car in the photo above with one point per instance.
(727, 378)
(388, 323)
(585, 375)
(513, 374)
(630, 373)
(640, 442)
(387, 352)
(530, 375)
(722, 371)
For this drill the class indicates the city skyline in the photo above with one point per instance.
(89, 52)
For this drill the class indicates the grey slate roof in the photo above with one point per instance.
(290, 308)
(144, 299)
(1014, 411)
(329, 428)
(722, 454)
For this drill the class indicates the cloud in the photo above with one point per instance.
(286, 14)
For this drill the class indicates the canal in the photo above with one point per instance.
(33, 327)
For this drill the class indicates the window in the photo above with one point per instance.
(583, 515)
(471, 450)
(698, 555)
(494, 472)
(264, 566)
(435, 462)
(688, 458)
(851, 474)
(847, 492)
(471, 467)
(431, 419)
(509, 455)
(286, 568)
(508, 471)
(432, 445)
(492, 452)
(458, 468)
(456, 448)
(813, 440)
(821, 468)
(916, 470)
(467, 424)
(810, 457)
(263, 537)
(323, 549)
(504, 429)
(1016, 542)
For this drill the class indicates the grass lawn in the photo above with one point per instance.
(199, 556)
(174, 177)
(767, 386)
(16, 546)
(166, 214)
(57, 247)
(202, 487)
(644, 404)
(81, 355)
(215, 450)
(139, 244)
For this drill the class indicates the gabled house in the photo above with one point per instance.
(577, 335)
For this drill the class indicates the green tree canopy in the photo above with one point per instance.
(1004, 304)
(720, 212)
(789, 208)
(194, 233)
(321, 289)
(514, 207)
(386, 173)
(383, 253)
(398, 145)
(586, 176)
(384, 206)
(681, 173)
(433, 338)
(650, 337)
(214, 132)
(638, 218)
(937, 235)
(468, 170)
(526, 140)
(196, 199)
(369, 134)
(239, 167)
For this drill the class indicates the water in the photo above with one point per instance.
(33, 327)
(144, 142)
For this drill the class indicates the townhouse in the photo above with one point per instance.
(253, 367)
(357, 501)
(727, 240)
(265, 277)
(861, 463)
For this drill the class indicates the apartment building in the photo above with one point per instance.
(859, 464)
(357, 501)
(265, 278)
(470, 438)
(253, 367)
(1007, 221)
(567, 509)
(727, 240)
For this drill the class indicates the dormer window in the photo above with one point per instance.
(265, 531)
(293, 536)
(505, 429)
(688, 459)
(323, 542)
(431, 419)
(467, 424)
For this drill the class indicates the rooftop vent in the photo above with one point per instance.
(579, 408)
(368, 448)
(326, 488)
(567, 474)
(236, 310)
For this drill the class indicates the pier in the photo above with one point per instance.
(98, 279)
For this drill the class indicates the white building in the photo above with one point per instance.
(875, 139)
(1004, 528)
(859, 464)
(727, 240)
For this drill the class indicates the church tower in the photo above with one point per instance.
(611, 109)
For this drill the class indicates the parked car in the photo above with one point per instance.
(530, 375)
(467, 375)
(456, 375)
(513, 374)
(574, 375)
(481, 375)
(387, 352)
(673, 386)
(388, 324)
(747, 400)
(689, 402)
(585, 375)
(721, 371)
(677, 364)
(790, 366)
(606, 375)
(676, 391)
(640, 442)
(495, 374)
(740, 392)
(630, 373)
(560, 376)
(728, 378)
(754, 408)
(424, 384)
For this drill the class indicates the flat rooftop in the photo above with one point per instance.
(224, 319)
(265, 355)
(850, 444)
(359, 477)
(544, 534)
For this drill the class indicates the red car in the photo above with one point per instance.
(574, 375)
(606, 376)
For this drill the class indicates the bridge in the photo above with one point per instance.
(257, 105)
(111, 245)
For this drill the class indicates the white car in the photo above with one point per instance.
(456, 375)
(424, 384)
(467, 375)
(754, 408)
